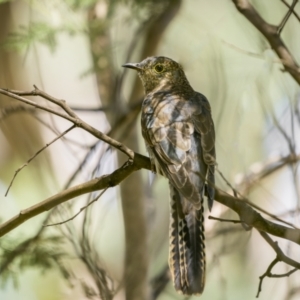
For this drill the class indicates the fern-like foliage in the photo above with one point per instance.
(41, 252)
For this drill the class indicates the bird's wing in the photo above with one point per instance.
(204, 125)
(180, 135)
(201, 118)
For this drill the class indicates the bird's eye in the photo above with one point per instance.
(158, 68)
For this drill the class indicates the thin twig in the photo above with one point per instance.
(287, 274)
(55, 131)
(252, 218)
(58, 102)
(286, 17)
(81, 164)
(35, 155)
(81, 209)
(93, 185)
(294, 13)
(242, 198)
(249, 53)
(245, 226)
(256, 55)
(249, 180)
(270, 33)
(269, 214)
(70, 116)
(280, 256)
(266, 274)
(16, 95)
(225, 220)
(235, 192)
(284, 134)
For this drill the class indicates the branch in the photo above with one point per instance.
(270, 32)
(286, 17)
(294, 13)
(279, 257)
(252, 218)
(225, 220)
(80, 210)
(93, 185)
(267, 273)
(249, 53)
(247, 214)
(35, 155)
(261, 170)
(70, 116)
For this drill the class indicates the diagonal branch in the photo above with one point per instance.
(280, 256)
(247, 214)
(286, 17)
(253, 219)
(288, 159)
(35, 155)
(248, 180)
(70, 116)
(225, 220)
(81, 210)
(270, 33)
(246, 211)
(266, 274)
(293, 11)
(93, 185)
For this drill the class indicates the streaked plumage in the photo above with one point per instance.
(179, 135)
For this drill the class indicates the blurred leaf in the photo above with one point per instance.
(43, 253)
(80, 4)
(26, 36)
(88, 290)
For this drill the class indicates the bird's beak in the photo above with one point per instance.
(135, 66)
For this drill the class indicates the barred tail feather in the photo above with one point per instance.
(187, 247)
(196, 266)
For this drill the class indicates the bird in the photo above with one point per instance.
(179, 134)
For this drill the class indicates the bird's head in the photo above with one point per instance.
(159, 73)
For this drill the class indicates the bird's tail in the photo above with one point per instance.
(187, 247)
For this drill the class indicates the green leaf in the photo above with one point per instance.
(24, 37)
